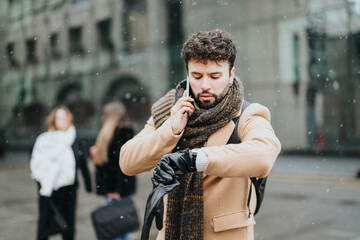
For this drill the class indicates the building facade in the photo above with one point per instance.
(299, 58)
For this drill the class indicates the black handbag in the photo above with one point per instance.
(115, 220)
(58, 218)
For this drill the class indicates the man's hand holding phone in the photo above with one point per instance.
(181, 111)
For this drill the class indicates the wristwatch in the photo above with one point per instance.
(193, 153)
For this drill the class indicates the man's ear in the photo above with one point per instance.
(232, 75)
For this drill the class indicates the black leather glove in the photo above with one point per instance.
(181, 162)
(166, 177)
(155, 203)
(173, 166)
(163, 173)
(155, 208)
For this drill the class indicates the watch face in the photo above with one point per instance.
(193, 152)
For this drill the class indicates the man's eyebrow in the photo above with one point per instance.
(215, 73)
(195, 73)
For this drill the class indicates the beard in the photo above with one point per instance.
(209, 104)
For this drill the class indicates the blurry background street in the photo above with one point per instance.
(301, 59)
(306, 198)
(298, 58)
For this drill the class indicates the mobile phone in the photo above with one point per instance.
(187, 90)
(187, 87)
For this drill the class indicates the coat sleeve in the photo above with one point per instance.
(144, 151)
(48, 181)
(44, 168)
(84, 167)
(100, 180)
(254, 156)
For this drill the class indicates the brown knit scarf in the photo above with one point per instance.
(185, 210)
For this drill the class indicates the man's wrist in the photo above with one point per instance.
(174, 131)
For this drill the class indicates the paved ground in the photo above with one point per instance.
(307, 197)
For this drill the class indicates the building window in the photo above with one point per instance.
(54, 46)
(79, 1)
(357, 47)
(133, 23)
(31, 51)
(10, 55)
(296, 45)
(104, 34)
(75, 41)
(138, 4)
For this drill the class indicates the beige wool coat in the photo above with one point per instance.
(226, 178)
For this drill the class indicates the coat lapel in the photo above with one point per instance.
(221, 137)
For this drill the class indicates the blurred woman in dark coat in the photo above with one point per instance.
(111, 182)
(56, 156)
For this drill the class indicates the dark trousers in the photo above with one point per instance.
(65, 200)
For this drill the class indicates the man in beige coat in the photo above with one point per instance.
(197, 128)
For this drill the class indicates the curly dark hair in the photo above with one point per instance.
(215, 45)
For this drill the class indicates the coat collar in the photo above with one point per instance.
(221, 137)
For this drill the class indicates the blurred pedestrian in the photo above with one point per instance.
(186, 140)
(111, 182)
(56, 156)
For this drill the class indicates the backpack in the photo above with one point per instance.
(260, 183)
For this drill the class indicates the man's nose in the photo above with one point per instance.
(205, 85)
